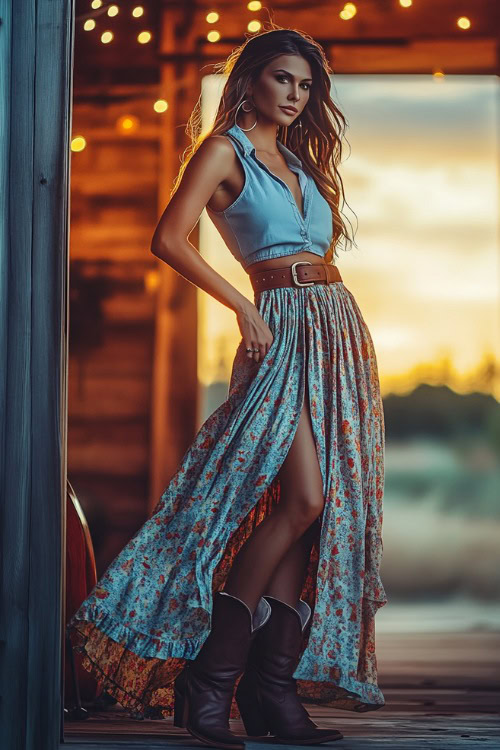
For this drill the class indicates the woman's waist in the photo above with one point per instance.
(282, 261)
(292, 271)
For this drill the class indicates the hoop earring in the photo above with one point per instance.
(245, 130)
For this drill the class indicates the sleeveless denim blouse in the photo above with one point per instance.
(264, 221)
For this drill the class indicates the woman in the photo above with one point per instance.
(260, 564)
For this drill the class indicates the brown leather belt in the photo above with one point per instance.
(301, 273)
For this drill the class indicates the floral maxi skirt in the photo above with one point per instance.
(151, 610)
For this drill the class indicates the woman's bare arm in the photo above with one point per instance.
(209, 166)
(207, 169)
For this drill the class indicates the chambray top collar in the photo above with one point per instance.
(249, 148)
(264, 220)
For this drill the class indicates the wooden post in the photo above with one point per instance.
(175, 382)
(36, 50)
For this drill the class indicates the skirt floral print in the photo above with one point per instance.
(151, 609)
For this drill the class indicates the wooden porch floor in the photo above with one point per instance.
(442, 692)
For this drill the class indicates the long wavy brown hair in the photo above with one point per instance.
(323, 125)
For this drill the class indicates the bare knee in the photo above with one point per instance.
(304, 510)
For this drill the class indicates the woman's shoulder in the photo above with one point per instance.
(214, 159)
(219, 146)
(214, 155)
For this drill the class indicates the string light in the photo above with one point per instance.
(254, 25)
(130, 123)
(127, 124)
(78, 143)
(160, 105)
(151, 280)
(348, 11)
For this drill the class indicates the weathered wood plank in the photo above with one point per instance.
(175, 386)
(415, 716)
(17, 35)
(51, 153)
(401, 731)
(36, 45)
(118, 446)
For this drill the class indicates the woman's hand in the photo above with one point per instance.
(255, 332)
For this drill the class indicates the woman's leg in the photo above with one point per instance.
(288, 578)
(273, 559)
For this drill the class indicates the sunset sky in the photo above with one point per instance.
(420, 173)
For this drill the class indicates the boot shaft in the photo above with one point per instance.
(233, 627)
(276, 648)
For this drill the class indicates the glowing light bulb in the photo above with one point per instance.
(212, 17)
(405, 3)
(254, 26)
(463, 22)
(151, 280)
(254, 5)
(144, 37)
(113, 10)
(348, 11)
(96, 4)
(89, 24)
(160, 105)
(107, 37)
(138, 11)
(213, 36)
(127, 124)
(78, 143)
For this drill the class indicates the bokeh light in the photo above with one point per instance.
(160, 105)
(78, 143)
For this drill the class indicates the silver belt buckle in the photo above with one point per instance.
(294, 273)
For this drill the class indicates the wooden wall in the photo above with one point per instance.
(114, 186)
(133, 387)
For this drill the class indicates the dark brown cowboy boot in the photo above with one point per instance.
(204, 689)
(266, 694)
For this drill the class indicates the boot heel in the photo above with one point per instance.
(181, 705)
(252, 717)
(181, 708)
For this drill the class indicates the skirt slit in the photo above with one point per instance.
(151, 610)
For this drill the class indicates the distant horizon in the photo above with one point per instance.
(441, 373)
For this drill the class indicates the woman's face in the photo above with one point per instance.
(284, 82)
